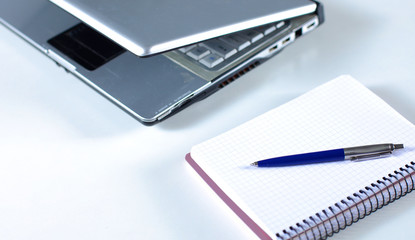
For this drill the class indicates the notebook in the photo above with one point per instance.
(153, 59)
(310, 201)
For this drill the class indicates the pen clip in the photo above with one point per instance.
(369, 156)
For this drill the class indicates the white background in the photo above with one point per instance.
(74, 166)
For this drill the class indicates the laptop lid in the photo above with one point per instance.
(146, 27)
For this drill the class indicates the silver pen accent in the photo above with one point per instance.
(370, 151)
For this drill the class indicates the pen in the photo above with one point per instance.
(352, 154)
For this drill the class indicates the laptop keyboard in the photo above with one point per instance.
(219, 52)
(212, 58)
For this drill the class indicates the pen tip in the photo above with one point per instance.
(254, 164)
(398, 146)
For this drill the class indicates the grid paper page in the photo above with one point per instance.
(340, 113)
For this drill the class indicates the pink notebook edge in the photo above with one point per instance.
(231, 204)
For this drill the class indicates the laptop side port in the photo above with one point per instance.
(310, 25)
(287, 40)
(272, 49)
(298, 33)
(282, 43)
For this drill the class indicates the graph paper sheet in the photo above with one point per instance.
(340, 113)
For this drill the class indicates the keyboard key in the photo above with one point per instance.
(267, 29)
(211, 60)
(219, 47)
(251, 35)
(198, 52)
(236, 41)
(186, 49)
(220, 52)
(280, 24)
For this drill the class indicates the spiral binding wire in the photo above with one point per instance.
(349, 210)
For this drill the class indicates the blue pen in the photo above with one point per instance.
(352, 154)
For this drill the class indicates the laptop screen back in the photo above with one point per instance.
(147, 27)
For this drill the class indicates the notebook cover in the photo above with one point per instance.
(231, 204)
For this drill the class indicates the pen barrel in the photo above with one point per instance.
(305, 158)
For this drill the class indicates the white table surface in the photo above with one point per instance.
(74, 166)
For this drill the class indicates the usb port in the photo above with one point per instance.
(273, 48)
(311, 25)
(286, 40)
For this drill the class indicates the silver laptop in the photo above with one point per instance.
(153, 59)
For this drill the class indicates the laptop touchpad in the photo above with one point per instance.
(86, 46)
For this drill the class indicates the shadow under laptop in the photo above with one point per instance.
(202, 110)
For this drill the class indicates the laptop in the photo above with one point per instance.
(152, 58)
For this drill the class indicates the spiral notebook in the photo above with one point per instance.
(310, 201)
